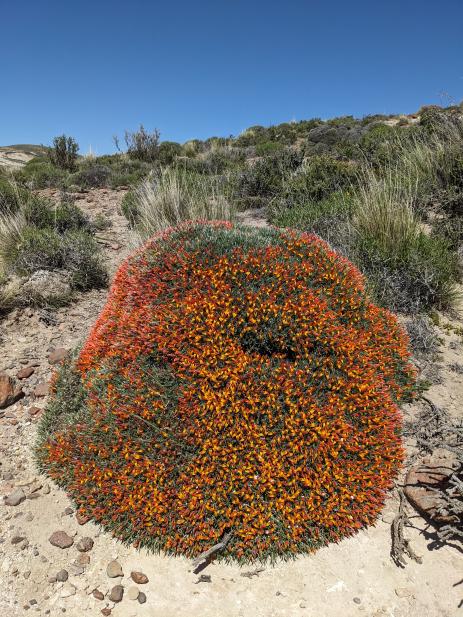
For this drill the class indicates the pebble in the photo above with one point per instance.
(106, 611)
(67, 590)
(62, 576)
(58, 355)
(133, 593)
(84, 545)
(29, 517)
(17, 539)
(97, 594)
(41, 389)
(141, 597)
(139, 578)
(82, 518)
(15, 498)
(114, 569)
(357, 600)
(82, 560)
(25, 372)
(61, 539)
(116, 594)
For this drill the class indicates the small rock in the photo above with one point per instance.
(58, 355)
(25, 372)
(61, 539)
(133, 593)
(26, 574)
(33, 602)
(9, 393)
(139, 578)
(62, 576)
(114, 569)
(357, 600)
(97, 594)
(106, 611)
(82, 560)
(46, 489)
(84, 545)
(141, 597)
(17, 539)
(67, 590)
(67, 511)
(15, 498)
(52, 579)
(76, 570)
(34, 411)
(29, 517)
(116, 594)
(42, 389)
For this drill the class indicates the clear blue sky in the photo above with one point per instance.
(202, 68)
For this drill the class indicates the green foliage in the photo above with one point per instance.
(63, 153)
(12, 196)
(263, 178)
(142, 145)
(62, 217)
(46, 249)
(92, 176)
(317, 179)
(40, 173)
(129, 207)
(414, 277)
(168, 152)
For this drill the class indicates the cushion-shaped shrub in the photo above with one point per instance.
(239, 381)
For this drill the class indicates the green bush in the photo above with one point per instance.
(316, 180)
(63, 153)
(129, 207)
(415, 277)
(40, 174)
(61, 217)
(142, 145)
(12, 195)
(92, 176)
(168, 152)
(264, 178)
(75, 251)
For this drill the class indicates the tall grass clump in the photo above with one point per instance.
(172, 195)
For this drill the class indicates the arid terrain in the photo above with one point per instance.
(355, 577)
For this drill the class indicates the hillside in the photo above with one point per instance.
(17, 155)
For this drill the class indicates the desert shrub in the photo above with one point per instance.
(62, 217)
(12, 195)
(328, 218)
(264, 177)
(63, 153)
(129, 207)
(168, 152)
(317, 179)
(411, 277)
(92, 176)
(423, 338)
(40, 173)
(261, 399)
(75, 251)
(142, 145)
(268, 147)
(173, 195)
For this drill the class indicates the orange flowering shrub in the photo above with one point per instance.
(237, 380)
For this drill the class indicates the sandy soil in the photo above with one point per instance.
(355, 577)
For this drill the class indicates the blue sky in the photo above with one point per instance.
(203, 68)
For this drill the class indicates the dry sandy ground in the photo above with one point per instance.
(355, 577)
(11, 159)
